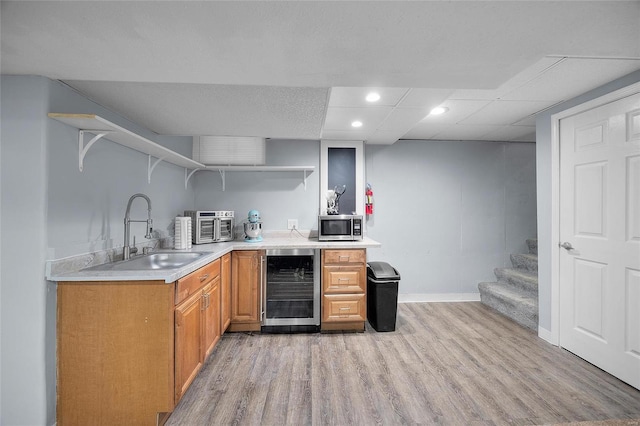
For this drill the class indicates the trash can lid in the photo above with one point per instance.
(382, 271)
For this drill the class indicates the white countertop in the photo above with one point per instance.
(214, 251)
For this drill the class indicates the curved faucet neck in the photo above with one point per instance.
(133, 197)
(127, 224)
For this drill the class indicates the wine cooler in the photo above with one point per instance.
(291, 292)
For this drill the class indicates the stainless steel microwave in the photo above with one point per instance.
(340, 227)
(211, 226)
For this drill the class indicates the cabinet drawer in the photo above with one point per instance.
(343, 307)
(343, 279)
(194, 281)
(345, 256)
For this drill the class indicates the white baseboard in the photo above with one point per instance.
(439, 297)
(547, 335)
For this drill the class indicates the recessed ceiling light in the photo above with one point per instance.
(438, 110)
(373, 97)
(356, 124)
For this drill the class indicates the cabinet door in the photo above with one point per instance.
(188, 334)
(210, 317)
(245, 302)
(225, 292)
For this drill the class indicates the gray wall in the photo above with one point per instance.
(50, 210)
(474, 200)
(448, 212)
(277, 195)
(86, 209)
(543, 160)
(27, 304)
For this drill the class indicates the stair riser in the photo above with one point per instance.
(529, 284)
(524, 262)
(532, 244)
(523, 316)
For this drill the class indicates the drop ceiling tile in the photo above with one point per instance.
(425, 130)
(340, 118)
(505, 112)
(425, 98)
(474, 94)
(380, 137)
(571, 77)
(530, 73)
(512, 133)
(402, 119)
(345, 135)
(464, 132)
(448, 132)
(529, 120)
(458, 111)
(355, 96)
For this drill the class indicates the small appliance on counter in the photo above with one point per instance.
(211, 226)
(253, 227)
(343, 227)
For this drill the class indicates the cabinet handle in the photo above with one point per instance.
(344, 257)
(343, 279)
(203, 306)
(345, 309)
(261, 295)
(204, 277)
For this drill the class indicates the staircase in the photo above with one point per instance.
(515, 294)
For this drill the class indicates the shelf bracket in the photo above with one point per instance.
(150, 167)
(224, 180)
(304, 179)
(82, 148)
(188, 175)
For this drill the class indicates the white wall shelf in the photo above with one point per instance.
(99, 127)
(306, 170)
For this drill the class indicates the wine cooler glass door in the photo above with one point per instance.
(292, 290)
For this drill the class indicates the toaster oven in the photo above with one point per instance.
(211, 226)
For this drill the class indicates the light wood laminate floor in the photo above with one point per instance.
(446, 363)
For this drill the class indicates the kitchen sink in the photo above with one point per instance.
(152, 261)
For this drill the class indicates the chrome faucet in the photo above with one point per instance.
(127, 251)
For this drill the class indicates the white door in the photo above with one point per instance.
(600, 232)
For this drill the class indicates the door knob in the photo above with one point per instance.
(567, 246)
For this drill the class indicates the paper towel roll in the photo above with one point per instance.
(182, 238)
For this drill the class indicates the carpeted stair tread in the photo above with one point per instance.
(532, 244)
(519, 278)
(528, 262)
(517, 304)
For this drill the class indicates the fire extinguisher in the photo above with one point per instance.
(369, 200)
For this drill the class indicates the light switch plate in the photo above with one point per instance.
(292, 224)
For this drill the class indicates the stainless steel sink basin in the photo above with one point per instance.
(152, 261)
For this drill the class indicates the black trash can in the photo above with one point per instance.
(382, 295)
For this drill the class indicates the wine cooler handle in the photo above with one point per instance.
(262, 294)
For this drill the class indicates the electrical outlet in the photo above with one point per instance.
(292, 224)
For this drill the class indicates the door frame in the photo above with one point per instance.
(554, 336)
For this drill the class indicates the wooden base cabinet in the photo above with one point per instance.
(115, 352)
(344, 290)
(246, 290)
(197, 323)
(128, 350)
